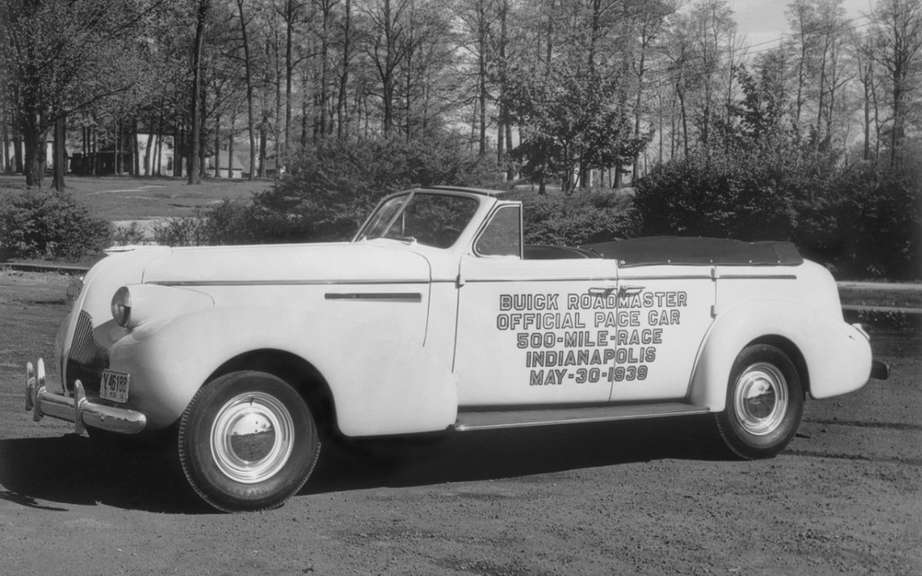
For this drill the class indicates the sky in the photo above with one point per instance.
(764, 21)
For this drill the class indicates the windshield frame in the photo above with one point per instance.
(484, 202)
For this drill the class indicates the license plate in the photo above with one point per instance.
(114, 386)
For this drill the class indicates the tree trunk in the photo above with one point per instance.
(482, 74)
(90, 164)
(34, 141)
(18, 163)
(158, 157)
(277, 112)
(659, 112)
(684, 115)
(799, 102)
(289, 72)
(117, 166)
(503, 120)
(263, 143)
(408, 87)
(549, 49)
(147, 149)
(195, 169)
(822, 95)
(203, 130)
(4, 141)
(217, 144)
(179, 138)
(135, 149)
(341, 108)
(60, 152)
(251, 124)
(230, 147)
(594, 31)
(644, 40)
(510, 171)
(305, 109)
(324, 66)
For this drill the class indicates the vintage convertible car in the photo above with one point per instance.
(436, 317)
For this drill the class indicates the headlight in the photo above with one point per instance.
(121, 306)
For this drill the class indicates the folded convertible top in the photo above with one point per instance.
(681, 250)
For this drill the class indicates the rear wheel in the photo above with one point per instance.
(247, 441)
(765, 401)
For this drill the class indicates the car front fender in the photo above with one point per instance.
(381, 381)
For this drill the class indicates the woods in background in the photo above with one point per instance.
(551, 89)
(663, 95)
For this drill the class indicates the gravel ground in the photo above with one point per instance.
(632, 498)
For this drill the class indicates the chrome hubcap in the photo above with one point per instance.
(252, 437)
(761, 398)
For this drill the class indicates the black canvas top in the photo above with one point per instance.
(681, 250)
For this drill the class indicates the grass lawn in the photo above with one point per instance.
(118, 198)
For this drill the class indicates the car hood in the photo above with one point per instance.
(327, 263)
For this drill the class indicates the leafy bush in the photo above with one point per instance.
(582, 217)
(49, 224)
(125, 235)
(330, 190)
(226, 223)
(865, 224)
(854, 219)
(744, 199)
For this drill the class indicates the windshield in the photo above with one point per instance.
(431, 219)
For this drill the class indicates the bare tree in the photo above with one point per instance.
(897, 30)
(387, 50)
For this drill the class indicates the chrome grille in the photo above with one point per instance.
(85, 360)
(83, 348)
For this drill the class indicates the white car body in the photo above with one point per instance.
(400, 337)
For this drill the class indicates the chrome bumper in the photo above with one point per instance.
(879, 370)
(77, 408)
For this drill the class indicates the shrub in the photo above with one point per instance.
(125, 235)
(853, 218)
(873, 220)
(49, 224)
(582, 217)
(744, 199)
(229, 222)
(331, 189)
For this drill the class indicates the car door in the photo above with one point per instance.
(531, 332)
(664, 314)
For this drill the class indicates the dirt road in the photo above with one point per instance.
(649, 498)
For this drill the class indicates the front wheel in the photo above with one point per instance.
(765, 401)
(247, 441)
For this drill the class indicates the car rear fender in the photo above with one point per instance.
(836, 357)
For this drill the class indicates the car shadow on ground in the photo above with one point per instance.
(53, 472)
(497, 454)
(50, 473)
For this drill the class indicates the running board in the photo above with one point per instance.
(469, 420)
